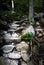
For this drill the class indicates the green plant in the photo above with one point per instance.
(3, 22)
(14, 16)
(27, 36)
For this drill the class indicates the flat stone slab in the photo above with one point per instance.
(14, 55)
(8, 48)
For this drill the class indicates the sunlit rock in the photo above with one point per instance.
(15, 36)
(21, 46)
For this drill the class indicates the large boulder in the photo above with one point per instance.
(29, 29)
(22, 45)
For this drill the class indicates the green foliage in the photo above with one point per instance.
(37, 5)
(36, 44)
(27, 36)
(22, 6)
(3, 22)
(6, 13)
(14, 16)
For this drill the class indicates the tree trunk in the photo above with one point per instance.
(12, 6)
(31, 19)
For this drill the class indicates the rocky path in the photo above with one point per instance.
(15, 50)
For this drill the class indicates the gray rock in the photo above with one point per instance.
(13, 25)
(13, 55)
(16, 22)
(11, 30)
(35, 49)
(8, 37)
(6, 61)
(4, 32)
(25, 55)
(37, 23)
(8, 48)
(14, 62)
(19, 28)
(40, 35)
(41, 14)
(23, 63)
(23, 24)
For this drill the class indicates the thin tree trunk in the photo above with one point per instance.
(31, 11)
(12, 6)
